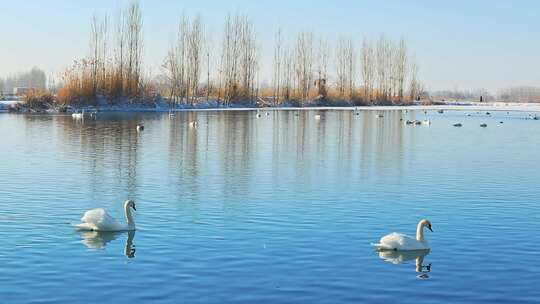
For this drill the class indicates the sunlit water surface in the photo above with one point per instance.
(281, 208)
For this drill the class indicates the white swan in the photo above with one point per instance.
(398, 241)
(78, 115)
(99, 220)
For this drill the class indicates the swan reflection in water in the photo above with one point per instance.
(400, 257)
(98, 240)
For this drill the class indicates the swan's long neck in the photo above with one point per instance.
(129, 217)
(420, 232)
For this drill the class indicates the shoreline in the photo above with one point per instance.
(461, 106)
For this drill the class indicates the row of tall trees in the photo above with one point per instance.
(184, 61)
(238, 65)
(379, 71)
(113, 68)
(304, 69)
(384, 69)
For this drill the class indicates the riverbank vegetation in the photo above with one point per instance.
(306, 69)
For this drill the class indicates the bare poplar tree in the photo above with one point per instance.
(117, 81)
(98, 46)
(304, 64)
(278, 65)
(415, 86)
(346, 66)
(368, 69)
(341, 67)
(195, 39)
(239, 61)
(134, 38)
(401, 67)
(381, 67)
(288, 73)
(323, 54)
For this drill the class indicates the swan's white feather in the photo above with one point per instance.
(100, 220)
(398, 241)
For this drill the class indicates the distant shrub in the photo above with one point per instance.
(39, 100)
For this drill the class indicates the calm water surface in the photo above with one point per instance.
(277, 209)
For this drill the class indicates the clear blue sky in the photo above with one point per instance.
(459, 44)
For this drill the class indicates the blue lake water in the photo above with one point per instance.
(278, 209)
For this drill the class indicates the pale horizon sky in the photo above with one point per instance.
(458, 44)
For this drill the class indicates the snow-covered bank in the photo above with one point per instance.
(215, 106)
(6, 104)
(528, 107)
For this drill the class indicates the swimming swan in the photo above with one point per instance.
(401, 242)
(99, 220)
(78, 115)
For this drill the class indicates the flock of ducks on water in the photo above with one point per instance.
(258, 114)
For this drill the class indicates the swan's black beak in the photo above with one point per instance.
(136, 210)
(429, 227)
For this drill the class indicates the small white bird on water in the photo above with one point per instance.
(78, 115)
(401, 242)
(100, 220)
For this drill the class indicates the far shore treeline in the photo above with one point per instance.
(306, 71)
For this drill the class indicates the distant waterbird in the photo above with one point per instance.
(484, 125)
(458, 125)
(140, 127)
(193, 124)
(78, 115)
